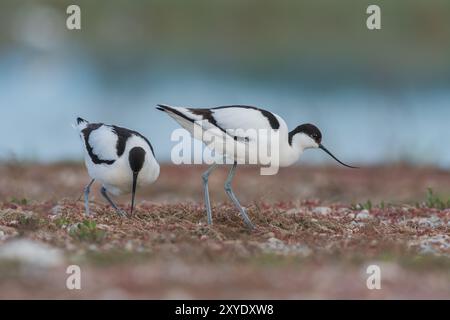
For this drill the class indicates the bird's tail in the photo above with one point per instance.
(164, 108)
(177, 112)
(81, 124)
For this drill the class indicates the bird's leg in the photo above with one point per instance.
(205, 177)
(105, 195)
(233, 198)
(87, 190)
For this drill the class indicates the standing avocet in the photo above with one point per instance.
(291, 144)
(120, 159)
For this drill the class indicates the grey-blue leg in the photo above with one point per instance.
(105, 195)
(87, 190)
(233, 198)
(205, 177)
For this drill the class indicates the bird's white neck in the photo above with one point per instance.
(289, 154)
(290, 151)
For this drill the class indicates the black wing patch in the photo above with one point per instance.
(86, 133)
(273, 121)
(208, 115)
(123, 135)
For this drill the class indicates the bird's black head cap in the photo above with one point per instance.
(136, 158)
(308, 129)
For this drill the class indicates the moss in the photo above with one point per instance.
(435, 201)
(87, 231)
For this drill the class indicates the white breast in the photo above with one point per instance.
(103, 142)
(117, 178)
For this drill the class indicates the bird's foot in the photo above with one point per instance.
(246, 219)
(122, 213)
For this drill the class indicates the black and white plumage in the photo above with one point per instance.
(119, 158)
(240, 118)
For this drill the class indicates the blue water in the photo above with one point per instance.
(40, 96)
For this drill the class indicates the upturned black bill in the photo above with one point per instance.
(135, 176)
(326, 150)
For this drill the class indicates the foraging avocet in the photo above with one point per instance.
(225, 119)
(120, 159)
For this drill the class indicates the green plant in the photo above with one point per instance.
(434, 201)
(87, 231)
(29, 222)
(362, 206)
(61, 222)
(22, 201)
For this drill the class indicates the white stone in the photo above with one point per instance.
(31, 253)
(431, 222)
(56, 210)
(292, 211)
(363, 215)
(274, 245)
(322, 211)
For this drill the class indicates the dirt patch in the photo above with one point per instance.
(317, 231)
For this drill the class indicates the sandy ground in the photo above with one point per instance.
(318, 229)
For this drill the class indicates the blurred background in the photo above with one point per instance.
(379, 97)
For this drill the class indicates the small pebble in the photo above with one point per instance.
(292, 211)
(270, 235)
(56, 210)
(363, 215)
(431, 222)
(322, 211)
(129, 246)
